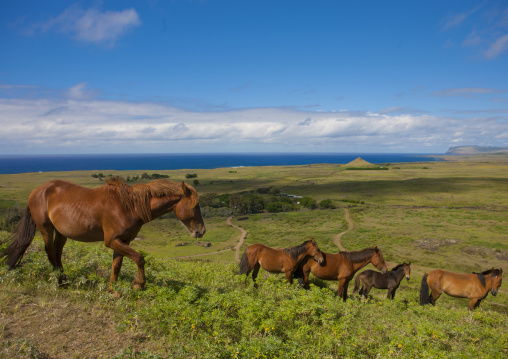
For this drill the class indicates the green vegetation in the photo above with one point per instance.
(202, 309)
(445, 215)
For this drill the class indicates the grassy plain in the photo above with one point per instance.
(450, 214)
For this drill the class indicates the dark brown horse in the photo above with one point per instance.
(475, 286)
(389, 280)
(278, 260)
(113, 213)
(340, 266)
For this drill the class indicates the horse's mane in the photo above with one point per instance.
(137, 198)
(397, 267)
(481, 276)
(360, 256)
(296, 251)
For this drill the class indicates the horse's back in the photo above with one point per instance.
(329, 269)
(270, 259)
(452, 283)
(76, 212)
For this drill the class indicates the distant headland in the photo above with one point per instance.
(476, 150)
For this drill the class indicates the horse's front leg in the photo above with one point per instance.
(473, 303)
(289, 276)
(123, 250)
(342, 288)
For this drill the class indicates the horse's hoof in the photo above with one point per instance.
(138, 286)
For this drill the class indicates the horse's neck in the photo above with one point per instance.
(162, 205)
(360, 265)
(399, 274)
(488, 282)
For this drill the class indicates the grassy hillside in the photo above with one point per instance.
(448, 215)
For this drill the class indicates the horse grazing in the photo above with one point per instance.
(474, 286)
(113, 213)
(389, 280)
(277, 260)
(340, 266)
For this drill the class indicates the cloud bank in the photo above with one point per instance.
(76, 125)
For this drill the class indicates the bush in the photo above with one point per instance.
(327, 203)
(308, 202)
(191, 175)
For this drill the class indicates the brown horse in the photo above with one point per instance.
(278, 260)
(475, 286)
(113, 213)
(389, 280)
(340, 266)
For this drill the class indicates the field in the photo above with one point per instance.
(449, 214)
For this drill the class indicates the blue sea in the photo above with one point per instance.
(53, 163)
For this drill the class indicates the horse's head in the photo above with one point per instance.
(407, 269)
(497, 279)
(314, 252)
(378, 261)
(187, 210)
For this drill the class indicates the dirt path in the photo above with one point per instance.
(240, 242)
(350, 227)
(236, 248)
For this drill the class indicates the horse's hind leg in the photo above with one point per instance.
(49, 245)
(366, 290)
(434, 295)
(59, 243)
(255, 271)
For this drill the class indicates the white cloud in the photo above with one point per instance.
(93, 25)
(91, 126)
(497, 48)
(467, 92)
(80, 92)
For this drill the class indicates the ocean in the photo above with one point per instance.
(10, 164)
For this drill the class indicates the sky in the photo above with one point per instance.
(186, 76)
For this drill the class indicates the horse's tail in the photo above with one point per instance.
(424, 291)
(357, 283)
(244, 264)
(19, 240)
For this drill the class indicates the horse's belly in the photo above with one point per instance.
(323, 273)
(270, 266)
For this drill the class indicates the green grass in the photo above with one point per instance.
(449, 215)
(203, 310)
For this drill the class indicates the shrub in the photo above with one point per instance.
(326, 203)
(308, 202)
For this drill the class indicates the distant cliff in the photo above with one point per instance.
(476, 150)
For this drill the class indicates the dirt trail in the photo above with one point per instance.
(350, 227)
(240, 242)
(236, 248)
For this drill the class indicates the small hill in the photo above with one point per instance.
(476, 150)
(359, 162)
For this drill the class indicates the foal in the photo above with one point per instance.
(390, 280)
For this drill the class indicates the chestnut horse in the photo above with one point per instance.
(113, 213)
(278, 260)
(390, 280)
(340, 266)
(475, 286)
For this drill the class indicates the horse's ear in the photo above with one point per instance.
(376, 249)
(186, 190)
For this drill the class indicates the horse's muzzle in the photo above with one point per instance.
(494, 292)
(407, 277)
(198, 234)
